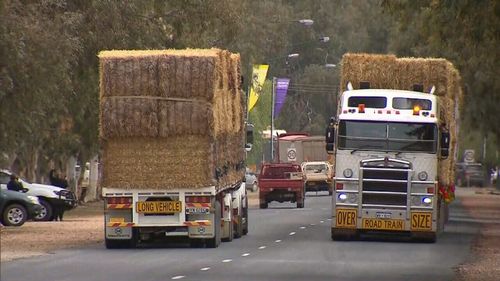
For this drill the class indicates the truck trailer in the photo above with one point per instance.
(173, 139)
(394, 146)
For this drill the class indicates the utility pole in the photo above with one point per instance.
(272, 119)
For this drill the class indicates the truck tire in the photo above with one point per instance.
(14, 215)
(263, 204)
(46, 213)
(239, 228)
(342, 235)
(245, 215)
(300, 203)
(215, 241)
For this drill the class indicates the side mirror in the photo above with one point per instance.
(445, 144)
(249, 137)
(330, 139)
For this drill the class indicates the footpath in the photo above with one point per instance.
(483, 205)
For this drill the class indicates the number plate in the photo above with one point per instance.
(192, 210)
(421, 221)
(383, 224)
(346, 218)
(158, 207)
(382, 215)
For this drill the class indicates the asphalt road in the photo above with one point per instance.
(284, 243)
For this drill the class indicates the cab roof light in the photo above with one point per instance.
(416, 110)
(388, 112)
(379, 111)
(361, 108)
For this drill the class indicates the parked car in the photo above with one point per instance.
(469, 174)
(17, 207)
(49, 196)
(251, 180)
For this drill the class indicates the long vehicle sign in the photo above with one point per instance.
(158, 207)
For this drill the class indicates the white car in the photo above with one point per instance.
(49, 196)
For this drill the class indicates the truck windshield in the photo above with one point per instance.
(315, 168)
(388, 136)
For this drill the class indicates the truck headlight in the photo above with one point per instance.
(342, 197)
(347, 173)
(427, 200)
(422, 176)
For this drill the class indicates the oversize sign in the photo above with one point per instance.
(346, 218)
(421, 221)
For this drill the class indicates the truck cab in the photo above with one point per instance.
(387, 147)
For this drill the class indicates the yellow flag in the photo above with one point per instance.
(259, 73)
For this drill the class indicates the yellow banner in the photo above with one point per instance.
(259, 73)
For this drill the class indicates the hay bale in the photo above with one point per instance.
(175, 120)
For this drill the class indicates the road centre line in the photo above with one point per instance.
(321, 221)
(245, 255)
(205, 268)
(178, 277)
(302, 227)
(228, 260)
(277, 241)
(262, 247)
(291, 233)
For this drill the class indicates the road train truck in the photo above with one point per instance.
(172, 137)
(394, 146)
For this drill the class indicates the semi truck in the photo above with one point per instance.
(173, 140)
(394, 146)
(301, 147)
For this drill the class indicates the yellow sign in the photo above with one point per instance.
(158, 207)
(346, 218)
(383, 224)
(259, 74)
(117, 220)
(421, 221)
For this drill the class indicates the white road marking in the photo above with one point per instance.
(291, 233)
(312, 224)
(321, 221)
(245, 255)
(329, 219)
(205, 268)
(178, 277)
(277, 241)
(228, 260)
(262, 247)
(302, 227)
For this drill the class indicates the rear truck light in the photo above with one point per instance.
(119, 200)
(339, 186)
(198, 199)
(361, 108)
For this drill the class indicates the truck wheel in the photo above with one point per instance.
(14, 215)
(239, 228)
(245, 215)
(46, 212)
(300, 204)
(263, 204)
(342, 235)
(215, 241)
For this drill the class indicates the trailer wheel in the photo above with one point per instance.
(239, 227)
(245, 216)
(215, 241)
(263, 204)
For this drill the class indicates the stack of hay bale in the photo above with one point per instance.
(171, 119)
(390, 72)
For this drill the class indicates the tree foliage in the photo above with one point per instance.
(49, 68)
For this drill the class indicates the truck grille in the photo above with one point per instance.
(384, 182)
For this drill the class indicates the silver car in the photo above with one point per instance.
(251, 180)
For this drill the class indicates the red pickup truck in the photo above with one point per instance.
(282, 182)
